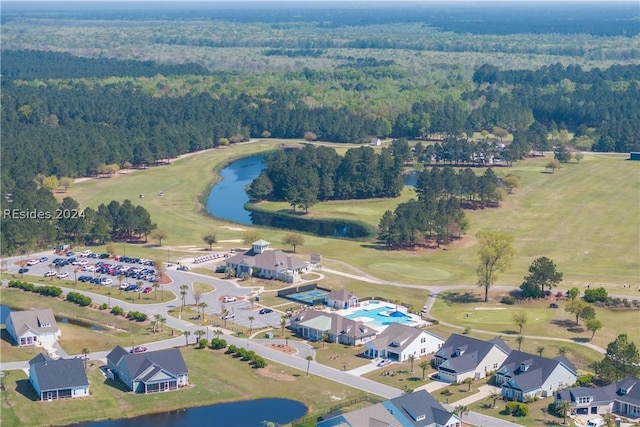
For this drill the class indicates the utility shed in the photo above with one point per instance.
(634, 155)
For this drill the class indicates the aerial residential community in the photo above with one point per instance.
(421, 214)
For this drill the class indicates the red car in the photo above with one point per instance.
(147, 290)
(138, 349)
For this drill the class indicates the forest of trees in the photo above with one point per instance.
(33, 218)
(312, 174)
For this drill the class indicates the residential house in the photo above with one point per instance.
(398, 342)
(525, 376)
(32, 327)
(463, 357)
(149, 372)
(58, 379)
(341, 299)
(418, 409)
(260, 261)
(314, 324)
(621, 398)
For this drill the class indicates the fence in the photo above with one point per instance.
(335, 409)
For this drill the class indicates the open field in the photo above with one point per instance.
(231, 380)
(566, 216)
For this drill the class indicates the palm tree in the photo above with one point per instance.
(520, 319)
(202, 306)
(563, 407)
(183, 293)
(540, 350)
(424, 365)
(85, 352)
(468, 382)
(217, 333)
(309, 359)
(75, 277)
(461, 410)
(494, 397)
(412, 359)
(50, 265)
(283, 323)
(156, 320)
(251, 319)
(324, 337)
(519, 340)
(199, 333)
(139, 283)
(162, 321)
(186, 337)
(156, 285)
(562, 350)
(120, 279)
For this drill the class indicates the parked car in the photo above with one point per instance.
(228, 316)
(23, 270)
(138, 349)
(103, 256)
(266, 311)
(33, 262)
(106, 281)
(44, 259)
(596, 422)
(63, 275)
(49, 273)
(147, 289)
(229, 299)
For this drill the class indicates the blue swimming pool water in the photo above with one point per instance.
(382, 316)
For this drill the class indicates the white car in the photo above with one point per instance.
(33, 262)
(89, 268)
(86, 253)
(106, 281)
(229, 299)
(49, 273)
(596, 422)
(63, 275)
(228, 316)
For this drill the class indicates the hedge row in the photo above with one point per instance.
(78, 298)
(50, 291)
(247, 355)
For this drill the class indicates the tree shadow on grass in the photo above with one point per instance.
(451, 298)
(581, 339)
(509, 332)
(25, 388)
(569, 325)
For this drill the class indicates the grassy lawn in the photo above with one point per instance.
(340, 356)
(538, 414)
(399, 375)
(205, 288)
(231, 380)
(470, 311)
(558, 215)
(117, 330)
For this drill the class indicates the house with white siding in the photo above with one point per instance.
(463, 357)
(397, 342)
(524, 376)
(341, 299)
(32, 327)
(149, 372)
(58, 379)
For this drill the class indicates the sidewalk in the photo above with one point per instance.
(483, 393)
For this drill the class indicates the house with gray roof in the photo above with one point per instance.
(314, 324)
(397, 342)
(621, 398)
(149, 372)
(32, 327)
(418, 409)
(58, 379)
(341, 299)
(525, 376)
(463, 357)
(260, 261)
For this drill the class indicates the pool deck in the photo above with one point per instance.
(374, 305)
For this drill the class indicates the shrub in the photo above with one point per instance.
(584, 380)
(218, 343)
(595, 294)
(516, 409)
(507, 299)
(117, 310)
(103, 306)
(47, 290)
(202, 343)
(137, 316)
(78, 298)
(259, 362)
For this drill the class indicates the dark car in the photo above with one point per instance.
(103, 256)
(23, 270)
(138, 349)
(266, 311)
(553, 305)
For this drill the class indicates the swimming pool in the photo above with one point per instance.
(380, 316)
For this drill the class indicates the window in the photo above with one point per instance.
(423, 340)
(423, 350)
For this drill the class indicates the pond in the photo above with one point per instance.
(228, 197)
(250, 413)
